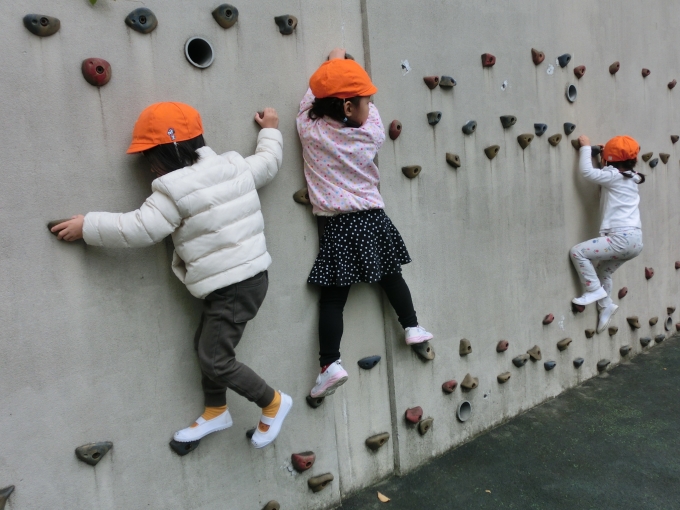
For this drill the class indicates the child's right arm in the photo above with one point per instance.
(268, 157)
(585, 164)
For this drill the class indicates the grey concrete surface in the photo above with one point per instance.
(97, 344)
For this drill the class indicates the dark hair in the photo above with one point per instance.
(626, 169)
(333, 107)
(168, 157)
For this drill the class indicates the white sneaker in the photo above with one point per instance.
(590, 297)
(606, 315)
(329, 380)
(417, 335)
(205, 427)
(261, 439)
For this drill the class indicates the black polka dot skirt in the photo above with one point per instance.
(358, 247)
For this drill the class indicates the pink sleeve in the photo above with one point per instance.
(306, 102)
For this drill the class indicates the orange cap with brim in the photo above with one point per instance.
(341, 78)
(620, 148)
(165, 123)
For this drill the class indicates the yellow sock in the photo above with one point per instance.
(270, 411)
(210, 413)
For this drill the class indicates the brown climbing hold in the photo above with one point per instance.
(672, 84)
(524, 140)
(272, 505)
(92, 453)
(395, 129)
(431, 82)
(677, 264)
(649, 272)
(414, 414)
(503, 378)
(614, 68)
(677, 327)
(634, 322)
(5, 493)
(41, 25)
(449, 386)
(502, 346)
(664, 157)
(469, 382)
(645, 72)
(302, 196)
(670, 310)
(302, 461)
(535, 353)
(96, 71)
(577, 308)
(576, 144)
(411, 171)
(508, 121)
(286, 23)
(375, 442)
(579, 71)
(563, 344)
(554, 140)
(465, 347)
(613, 330)
(492, 151)
(453, 159)
(488, 60)
(54, 223)
(653, 321)
(675, 138)
(548, 319)
(424, 350)
(590, 333)
(647, 156)
(537, 56)
(623, 292)
(425, 425)
(319, 483)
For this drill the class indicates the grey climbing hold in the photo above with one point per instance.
(524, 140)
(492, 151)
(449, 386)
(470, 127)
(578, 362)
(54, 223)
(653, 321)
(251, 432)
(286, 23)
(540, 129)
(664, 157)
(645, 341)
(92, 453)
(314, 402)
(571, 93)
(563, 344)
(668, 325)
(624, 350)
(465, 347)
(199, 52)
(602, 365)
(431, 81)
(569, 128)
(563, 60)
(537, 56)
(464, 411)
(535, 353)
(226, 15)
(411, 171)
(647, 156)
(633, 322)
(520, 361)
(41, 25)
(590, 333)
(375, 442)
(549, 365)
(182, 449)
(503, 378)
(425, 425)
(675, 138)
(302, 196)
(319, 483)
(613, 330)
(554, 140)
(595, 150)
(659, 338)
(369, 362)
(447, 82)
(469, 382)
(272, 505)
(424, 350)
(5, 493)
(433, 118)
(142, 20)
(508, 120)
(453, 159)
(302, 461)
(614, 68)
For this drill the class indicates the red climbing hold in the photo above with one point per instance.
(488, 60)
(449, 386)
(649, 272)
(537, 56)
(395, 129)
(414, 414)
(623, 292)
(502, 346)
(677, 264)
(96, 71)
(548, 319)
(645, 72)
(302, 461)
(579, 71)
(577, 308)
(672, 84)
(677, 327)
(431, 82)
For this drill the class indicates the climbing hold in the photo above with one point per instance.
(453, 159)
(302, 196)
(286, 23)
(614, 68)
(375, 442)
(431, 82)
(623, 292)
(92, 453)
(411, 171)
(659, 338)
(226, 15)
(520, 360)
(425, 425)
(624, 350)
(449, 386)
(579, 71)
(414, 414)
(571, 93)
(569, 128)
(677, 326)
(502, 346)
(319, 483)
(647, 156)
(675, 138)
(369, 362)
(465, 347)
(302, 461)
(576, 144)
(590, 333)
(272, 505)
(199, 52)
(142, 20)
(470, 127)
(4, 495)
(508, 120)
(672, 84)
(424, 350)
(41, 25)
(549, 365)
(613, 330)
(537, 56)
(563, 344)
(314, 402)
(554, 140)
(492, 151)
(488, 60)
(524, 140)
(395, 129)
(664, 157)
(602, 365)
(182, 449)
(634, 322)
(447, 82)
(96, 71)
(653, 321)
(577, 308)
(54, 223)
(595, 150)
(251, 432)
(677, 264)
(563, 60)
(464, 411)
(578, 362)
(539, 129)
(535, 353)
(548, 319)
(649, 272)
(469, 382)
(503, 378)
(645, 341)
(670, 310)
(433, 118)
(645, 72)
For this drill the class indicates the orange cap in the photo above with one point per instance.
(165, 123)
(341, 78)
(620, 148)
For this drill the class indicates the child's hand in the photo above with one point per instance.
(70, 230)
(337, 53)
(584, 140)
(268, 118)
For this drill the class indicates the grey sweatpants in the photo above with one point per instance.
(226, 312)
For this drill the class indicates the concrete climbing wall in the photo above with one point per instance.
(97, 344)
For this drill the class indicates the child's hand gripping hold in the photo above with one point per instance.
(70, 230)
(267, 118)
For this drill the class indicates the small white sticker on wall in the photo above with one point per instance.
(504, 85)
(551, 69)
(405, 67)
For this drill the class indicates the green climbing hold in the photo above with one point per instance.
(41, 25)
(375, 442)
(319, 483)
(92, 453)
(226, 15)
(142, 20)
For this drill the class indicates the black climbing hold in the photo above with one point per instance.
(668, 325)
(302, 196)
(554, 140)
(369, 362)
(469, 382)
(41, 25)
(653, 321)
(549, 365)
(595, 150)
(590, 333)
(433, 118)
(645, 72)
(96, 71)
(465, 347)
(395, 129)
(672, 84)
(654, 162)
(319, 483)
(578, 362)
(424, 350)
(535, 353)
(464, 411)
(647, 156)
(286, 23)
(508, 120)
(314, 402)
(488, 60)
(524, 140)
(563, 344)
(659, 338)
(302, 461)
(675, 138)
(569, 128)
(425, 425)
(226, 15)
(5, 493)
(453, 159)
(602, 365)
(614, 68)
(411, 171)
(633, 322)
(492, 151)
(613, 330)
(503, 378)
(470, 127)
(431, 81)
(539, 129)
(142, 20)
(92, 453)
(520, 361)
(571, 93)
(624, 350)
(375, 442)
(182, 449)
(199, 52)
(664, 157)
(645, 341)
(251, 432)
(563, 60)
(54, 223)
(414, 414)
(447, 82)
(579, 71)
(272, 505)
(537, 56)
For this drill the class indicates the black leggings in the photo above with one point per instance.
(332, 304)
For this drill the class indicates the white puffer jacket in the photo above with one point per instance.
(212, 211)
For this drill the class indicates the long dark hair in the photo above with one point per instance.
(626, 168)
(333, 107)
(168, 157)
